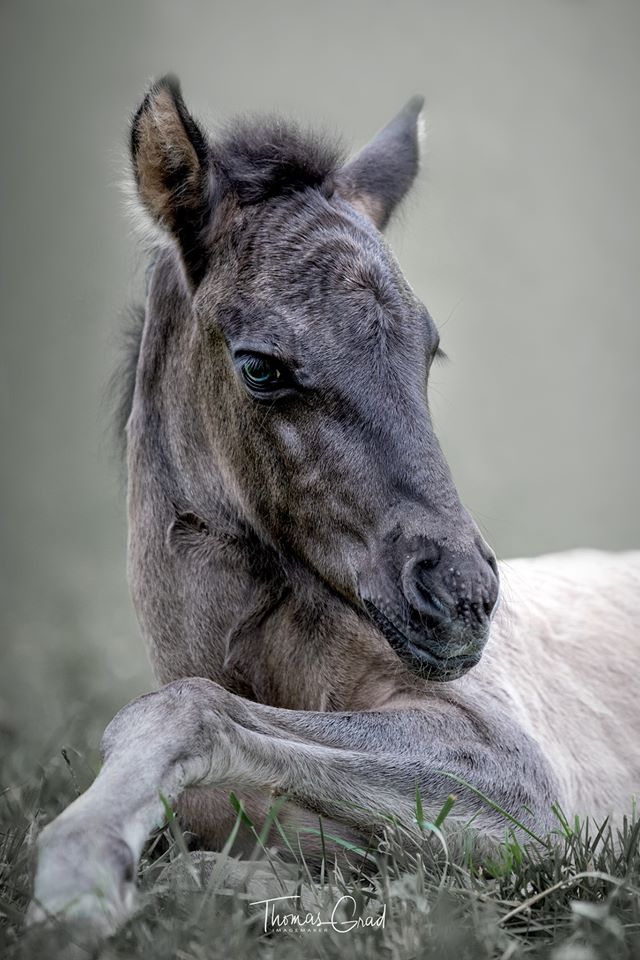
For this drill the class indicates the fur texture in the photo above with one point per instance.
(301, 564)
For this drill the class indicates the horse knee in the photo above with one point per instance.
(187, 723)
(179, 713)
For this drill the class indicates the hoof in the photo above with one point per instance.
(85, 880)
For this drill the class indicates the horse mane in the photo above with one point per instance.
(122, 382)
(265, 157)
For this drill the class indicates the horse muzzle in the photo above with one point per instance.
(423, 654)
(434, 608)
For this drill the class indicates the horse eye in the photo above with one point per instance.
(261, 373)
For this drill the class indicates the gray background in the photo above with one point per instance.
(522, 239)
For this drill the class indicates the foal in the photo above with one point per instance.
(304, 573)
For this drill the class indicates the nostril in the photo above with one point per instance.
(442, 587)
(420, 587)
(428, 558)
(429, 604)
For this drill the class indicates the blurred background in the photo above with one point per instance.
(522, 239)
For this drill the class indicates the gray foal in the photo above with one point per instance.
(303, 570)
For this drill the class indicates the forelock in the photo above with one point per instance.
(264, 158)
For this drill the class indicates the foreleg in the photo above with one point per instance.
(355, 768)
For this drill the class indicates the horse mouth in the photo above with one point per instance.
(420, 659)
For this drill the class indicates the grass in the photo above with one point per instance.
(575, 897)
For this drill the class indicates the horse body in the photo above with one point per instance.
(564, 651)
(304, 573)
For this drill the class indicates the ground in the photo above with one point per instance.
(576, 899)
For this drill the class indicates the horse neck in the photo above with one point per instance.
(213, 598)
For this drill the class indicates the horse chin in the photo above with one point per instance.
(420, 659)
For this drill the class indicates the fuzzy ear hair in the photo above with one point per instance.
(377, 179)
(173, 170)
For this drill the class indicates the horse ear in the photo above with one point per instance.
(377, 179)
(173, 170)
